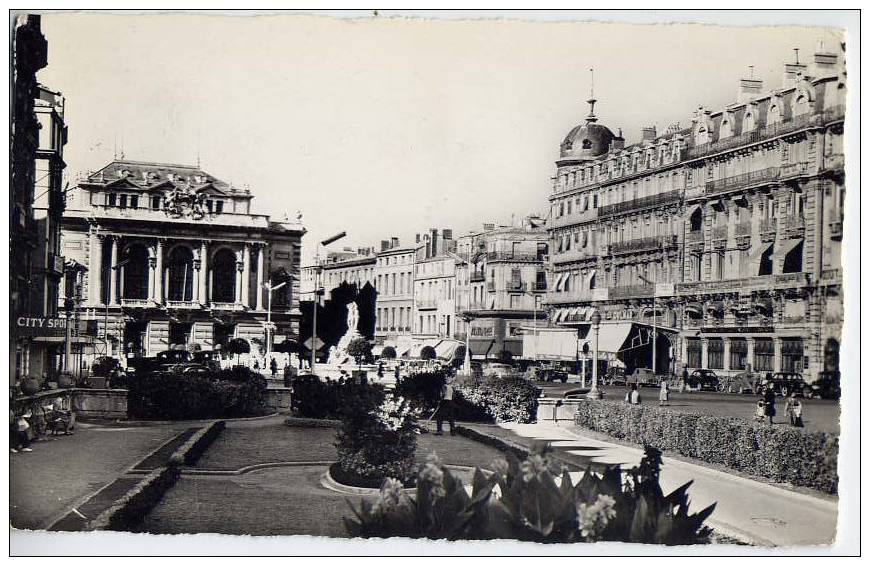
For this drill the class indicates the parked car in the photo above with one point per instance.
(499, 370)
(784, 383)
(641, 377)
(210, 359)
(552, 375)
(615, 376)
(827, 385)
(704, 380)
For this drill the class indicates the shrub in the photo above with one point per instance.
(532, 506)
(227, 394)
(361, 350)
(188, 453)
(510, 399)
(129, 510)
(378, 434)
(104, 366)
(428, 353)
(781, 454)
(388, 353)
(422, 388)
(313, 398)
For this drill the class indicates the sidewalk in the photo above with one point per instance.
(752, 511)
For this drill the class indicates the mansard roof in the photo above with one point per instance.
(147, 176)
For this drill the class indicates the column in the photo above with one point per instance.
(777, 354)
(726, 355)
(204, 273)
(260, 262)
(158, 273)
(245, 275)
(197, 279)
(240, 266)
(704, 363)
(113, 272)
(95, 268)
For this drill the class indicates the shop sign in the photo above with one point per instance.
(482, 331)
(43, 326)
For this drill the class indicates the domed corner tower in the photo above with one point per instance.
(585, 142)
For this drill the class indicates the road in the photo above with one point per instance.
(818, 415)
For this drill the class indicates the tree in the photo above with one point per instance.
(388, 353)
(428, 353)
(238, 346)
(360, 349)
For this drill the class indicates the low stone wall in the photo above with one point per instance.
(100, 403)
(278, 399)
(557, 408)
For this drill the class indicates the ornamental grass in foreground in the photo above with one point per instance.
(527, 501)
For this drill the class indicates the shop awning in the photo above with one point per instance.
(714, 308)
(754, 254)
(557, 315)
(560, 280)
(788, 246)
(611, 337)
(480, 348)
(588, 281)
(446, 349)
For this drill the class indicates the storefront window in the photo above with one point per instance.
(792, 355)
(737, 356)
(715, 353)
(693, 352)
(764, 355)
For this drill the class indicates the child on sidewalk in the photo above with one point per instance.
(759, 411)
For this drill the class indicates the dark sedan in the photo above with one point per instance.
(704, 380)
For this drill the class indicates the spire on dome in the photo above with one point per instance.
(591, 118)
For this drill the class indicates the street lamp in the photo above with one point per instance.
(654, 314)
(268, 286)
(466, 365)
(317, 289)
(594, 392)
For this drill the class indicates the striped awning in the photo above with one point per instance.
(694, 310)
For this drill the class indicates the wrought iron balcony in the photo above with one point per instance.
(539, 286)
(755, 178)
(515, 286)
(575, 218)
(794, 225)
(794, 170)
(790, 280)
(643, 244)
(695, 237)
(427, 304)
(634, 291)
(513, 256)
(641, 203)
(477, 277)
(136, 303)
(226, 306)
(764, 133)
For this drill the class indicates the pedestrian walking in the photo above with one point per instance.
(685, 381)
(19, 433)
(794, 409)
(445, 409)
(664, 392)
(769, 403)
(633, 395)
(274, 366)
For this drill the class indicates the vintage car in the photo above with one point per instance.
(642, 377)
(704, 380)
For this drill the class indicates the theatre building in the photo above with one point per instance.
(175, 258)
(720, 241)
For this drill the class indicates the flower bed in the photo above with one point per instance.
(511, 399)
(231, 393)
(781, 454)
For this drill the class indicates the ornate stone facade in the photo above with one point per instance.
(175, 258)
(725, 235)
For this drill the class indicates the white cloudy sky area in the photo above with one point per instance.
(385, 128)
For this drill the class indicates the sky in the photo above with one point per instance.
(385, 127)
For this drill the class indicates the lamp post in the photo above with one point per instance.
(466, 365)
(594, 392)
(268, 286)
(317, 289)
(654, 313)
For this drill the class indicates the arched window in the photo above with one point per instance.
(695, 220)
(587, 144)
(135, 273)
(223, 270)
(774, 115)
(179, 285)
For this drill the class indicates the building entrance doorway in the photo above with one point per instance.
(134, 338)
(179, 334)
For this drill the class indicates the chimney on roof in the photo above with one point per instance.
(793, 71)
(385, 245)
(447, 234)
(749, 88)
(416, 239)
(394, 242)
(824, 63)
(648, 133)
(618, 142)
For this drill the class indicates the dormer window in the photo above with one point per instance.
(587, 144)
(111, 199)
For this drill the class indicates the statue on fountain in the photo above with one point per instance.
(338, 354)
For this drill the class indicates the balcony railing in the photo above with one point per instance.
(640, 203)
(477, 277)
(490, 286)
(136, 302)
(766, 132)
(539, 286)
(794, 225)
(568, 297)
(642, 244)
(743, 180)
(226, 306)
(572, 255)
(576, 218)
(515, 286)
(794, 170)
(634, 291)
(427, 304)
(720, 232)
(188, 304)
(695, 237)
(791, 280)
(513, 256)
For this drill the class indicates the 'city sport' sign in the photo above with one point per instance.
(42, 326)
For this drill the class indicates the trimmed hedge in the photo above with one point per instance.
(511, 399)
(233, 393)
(189, 452)
(781, 454)
(313, 398)
(129, 510)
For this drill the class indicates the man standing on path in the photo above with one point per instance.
(770, 403)
(445, 408)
